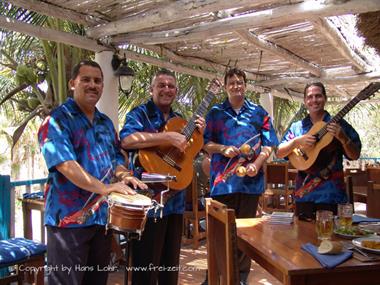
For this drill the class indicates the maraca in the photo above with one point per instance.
(245, 149)
(241, 171)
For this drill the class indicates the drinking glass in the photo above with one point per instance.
(345, 212)
(324, 224)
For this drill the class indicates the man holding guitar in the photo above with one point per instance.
(161, 240)
(239, 137)
(320, 186)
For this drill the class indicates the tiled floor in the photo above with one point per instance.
(193, 264)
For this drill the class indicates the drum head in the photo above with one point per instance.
(130, 200)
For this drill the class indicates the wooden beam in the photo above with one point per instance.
(336, 39)
(169, 65)
(288, 13)
(181, 69)
(277, 50)
(55, 11)
(168, 13)
(82, 42)
(339, 91)
(286, 81)
(51, 35)
(195, 61)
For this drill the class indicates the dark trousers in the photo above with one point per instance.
(78, 255)
(155, 258)
(307, 210)
(245, 206)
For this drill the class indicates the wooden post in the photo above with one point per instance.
(5, 206)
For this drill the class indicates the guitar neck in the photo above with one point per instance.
(338, 116)
(200, 112)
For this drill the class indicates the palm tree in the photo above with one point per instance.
(36, 82)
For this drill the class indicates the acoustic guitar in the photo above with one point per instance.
(309, 158)
(168, 160)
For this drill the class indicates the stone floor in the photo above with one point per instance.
(194, 265)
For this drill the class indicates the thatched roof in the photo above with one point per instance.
(281, 44)
(369, 26)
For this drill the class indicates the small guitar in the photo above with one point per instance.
(304, 159)
(168, 160)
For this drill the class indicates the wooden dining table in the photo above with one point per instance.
(277, 248)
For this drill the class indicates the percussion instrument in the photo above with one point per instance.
(127, 213)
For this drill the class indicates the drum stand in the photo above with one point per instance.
(129, 237)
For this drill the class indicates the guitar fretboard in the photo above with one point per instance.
(338, 116)
(364, 94)
(201, 111)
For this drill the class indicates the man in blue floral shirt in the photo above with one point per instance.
(82, 152)
(160, 242)
(322, 186)
(239, 137)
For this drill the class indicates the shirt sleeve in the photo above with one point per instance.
(352, 134)
(208, 134)
(133, 123)
(268, 134)
(55, 143)
(290, 134)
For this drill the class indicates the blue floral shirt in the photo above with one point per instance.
(66, 135)
(311, 187)
(148, 118)
(226, 127)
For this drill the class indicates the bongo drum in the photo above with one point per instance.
(127, 213)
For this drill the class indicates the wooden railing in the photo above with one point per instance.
(8, 201)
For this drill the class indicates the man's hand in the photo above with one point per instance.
(119, 187)
(306, 141)
(200, 124)
(230, 151)
(336, 130)
(176, 139)
(135, 182)
(252, 170)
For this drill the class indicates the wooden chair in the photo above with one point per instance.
(221, 244)
(356, 182)
(22, 253)
(373, 200)
(192, 217)
(374, 174)
(276, 187)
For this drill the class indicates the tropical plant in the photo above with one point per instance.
(35, 72)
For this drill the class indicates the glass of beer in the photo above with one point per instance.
(345, 212)
(324, 223)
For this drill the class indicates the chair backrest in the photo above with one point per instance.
(276, 173)
(359, 177)
(373, 200)
(221, 244)
(374, 174)
(349, 189)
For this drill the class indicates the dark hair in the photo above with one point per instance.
(234, 71)
(317, 84)
(163, 71)
(84, 62)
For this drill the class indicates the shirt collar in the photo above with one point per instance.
(227, 105)
(153, 109)
(307, 120)
(75, 110)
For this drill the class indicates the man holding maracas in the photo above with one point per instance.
(239, 137)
